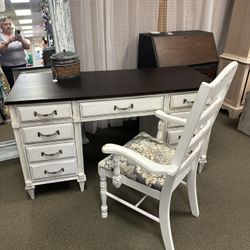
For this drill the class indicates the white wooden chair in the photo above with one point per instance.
(148, 165)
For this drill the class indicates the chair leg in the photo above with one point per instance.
(192, 190)
(164, 217)
(103, 190)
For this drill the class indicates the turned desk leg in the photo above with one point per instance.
(81, 184)
(31, 191)
(202, 162)
(203, 155)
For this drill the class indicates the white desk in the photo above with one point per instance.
(46, 116)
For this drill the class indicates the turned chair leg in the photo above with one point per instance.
(192, 190)
(103, 190)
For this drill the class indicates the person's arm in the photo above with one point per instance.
(4, 44)
(25, 43)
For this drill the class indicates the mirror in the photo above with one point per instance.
(45, 17)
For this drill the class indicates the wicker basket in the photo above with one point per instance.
(65, 65)
(47, 52)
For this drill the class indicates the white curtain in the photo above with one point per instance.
(106, 31)
(208, 15)
(106, 34)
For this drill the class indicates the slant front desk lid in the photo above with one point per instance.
(39, 87)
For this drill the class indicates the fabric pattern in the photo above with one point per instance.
(4, 91)
(149, 147)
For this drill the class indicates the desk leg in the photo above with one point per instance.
(82, 185)
(202, 162)
(79, 152)
(203, 155)
(81, 180)
(31, 191)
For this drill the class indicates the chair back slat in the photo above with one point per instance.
(185, 167)
(197, 138)
(202, 116)
(210, 111)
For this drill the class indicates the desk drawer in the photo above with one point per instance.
(52, 170)
(44, 112)
(121, 106)
(48, 133)
(51, 152)
(173, 136)
(182, 101)
(179, 114)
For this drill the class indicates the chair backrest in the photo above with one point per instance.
(201, 118)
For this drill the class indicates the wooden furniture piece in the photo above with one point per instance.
(47, 116)
(237, 48)
(148, 165)
(194, 48)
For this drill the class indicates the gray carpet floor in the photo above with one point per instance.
(61, 217)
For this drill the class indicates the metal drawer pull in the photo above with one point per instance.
(41, 134)
(45, 115)
(54, 172)
(131, 106)
(53, 154)
(187, 101)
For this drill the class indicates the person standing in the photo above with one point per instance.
(12, 48)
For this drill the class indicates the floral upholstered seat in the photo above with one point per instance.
(149, 147)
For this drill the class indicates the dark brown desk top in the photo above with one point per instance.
(38, 87)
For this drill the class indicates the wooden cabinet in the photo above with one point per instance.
(237, 48)
(240, 85)
(193, 48)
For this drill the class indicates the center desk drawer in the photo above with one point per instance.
(48, 133)
(51, 151)
(44, 112)
(121, 106)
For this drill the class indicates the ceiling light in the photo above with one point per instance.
(27, 31)
(26, 12)
(25, 21)
(26, 27)
(29, 35)
(19, 1)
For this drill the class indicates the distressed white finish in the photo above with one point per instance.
(66, 118)
(36, 113)
(46, 133)
(120, 107)
(50, 145)
(53, 169)
(182, 101)
(184, 162)
(51, 151)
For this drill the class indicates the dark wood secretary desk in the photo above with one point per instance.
(194, 48)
